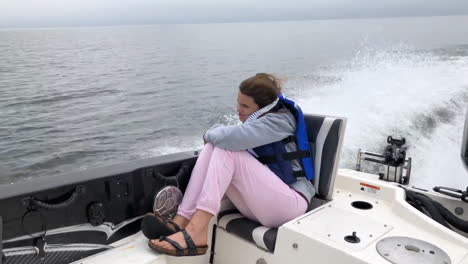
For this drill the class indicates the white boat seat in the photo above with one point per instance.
(326, 136)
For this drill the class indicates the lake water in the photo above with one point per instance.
(76, 98)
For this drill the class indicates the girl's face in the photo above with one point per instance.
(245, 106)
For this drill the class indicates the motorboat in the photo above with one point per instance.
(357, 216)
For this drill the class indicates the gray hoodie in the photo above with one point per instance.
(269, 128)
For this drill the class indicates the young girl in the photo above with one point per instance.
(229, 165)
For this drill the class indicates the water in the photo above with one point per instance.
(75, 98)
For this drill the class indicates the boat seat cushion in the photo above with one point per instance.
(325, 134)
(233, 222)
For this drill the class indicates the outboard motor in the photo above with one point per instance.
(464, 149)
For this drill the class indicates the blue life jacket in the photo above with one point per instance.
(275, 156)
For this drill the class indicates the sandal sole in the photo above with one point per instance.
(200, 251)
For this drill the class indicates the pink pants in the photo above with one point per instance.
(251, 186)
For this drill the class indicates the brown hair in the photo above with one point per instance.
(264, 88)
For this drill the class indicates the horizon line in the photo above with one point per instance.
(18, 27)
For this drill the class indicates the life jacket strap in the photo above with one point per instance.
(289, 139)
(299, 174)
(295, 155)
(267, 159)
(300, 154)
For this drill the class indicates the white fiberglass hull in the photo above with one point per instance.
(318, 236)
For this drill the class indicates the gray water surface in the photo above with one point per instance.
(74, 98)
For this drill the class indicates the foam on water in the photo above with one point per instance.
(420, 95)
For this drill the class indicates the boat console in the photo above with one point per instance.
(369, 225)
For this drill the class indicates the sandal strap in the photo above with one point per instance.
(169, 221)
(176, 226)
(177, 246)
(191, 245)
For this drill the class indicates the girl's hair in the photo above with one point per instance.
(264, 88)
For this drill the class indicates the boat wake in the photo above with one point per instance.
(419, 95)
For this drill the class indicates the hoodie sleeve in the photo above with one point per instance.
(253, 133)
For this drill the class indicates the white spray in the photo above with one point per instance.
(417, 95)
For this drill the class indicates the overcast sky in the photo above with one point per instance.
(44, 13)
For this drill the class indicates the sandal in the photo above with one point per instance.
(154, 227)
(178, 251)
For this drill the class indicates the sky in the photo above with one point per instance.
(50, 13)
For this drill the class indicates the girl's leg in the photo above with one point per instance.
(189, 202)
(262, 196)
(208, 199)
(257, 192)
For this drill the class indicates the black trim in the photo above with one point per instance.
(329, 152)
(1, 240)
(269, 238)
(244, 228)
(29, 256)
(313, 124)
(101, 187)
(213, 243)
(227, 212)
(46, 183)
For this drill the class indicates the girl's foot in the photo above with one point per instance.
(199, 236)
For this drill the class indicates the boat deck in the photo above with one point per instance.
(133, 249)
(318, 235)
